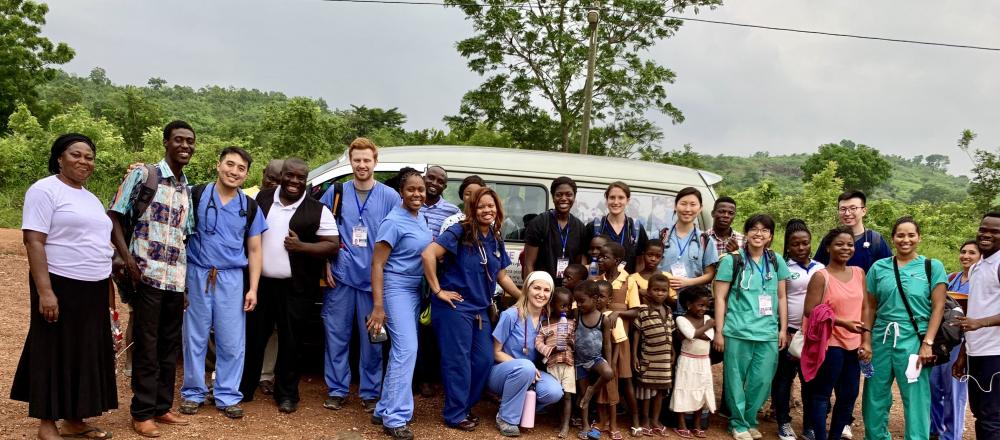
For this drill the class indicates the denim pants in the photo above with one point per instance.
(839, 373)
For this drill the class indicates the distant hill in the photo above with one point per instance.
(912, 179)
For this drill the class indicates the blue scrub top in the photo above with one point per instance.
(353, 263)
(218, 238)
(510, 330)
(407, 236)
(956, 284)
(689, 251)
(463, 269)
(863, 257)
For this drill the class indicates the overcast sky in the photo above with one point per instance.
(741, 90)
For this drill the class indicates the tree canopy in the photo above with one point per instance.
(859, 166)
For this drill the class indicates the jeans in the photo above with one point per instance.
(839, 373)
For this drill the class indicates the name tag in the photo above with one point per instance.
(764, 305)
(561, 265)
(359, 236)
(679, 270)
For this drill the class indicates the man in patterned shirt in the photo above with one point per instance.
(726, 239)
(156, 261)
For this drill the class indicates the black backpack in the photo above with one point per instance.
(140, 198)
(250, 213)
(738, 264)
(949, 334)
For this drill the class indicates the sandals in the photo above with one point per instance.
(91, 432)
(659, 431)
(616, 435)
(699, 433)
(592, 434)
(683, 433)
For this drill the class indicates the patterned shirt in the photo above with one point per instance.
(655, 348)
(436, 213)
(720, 244)
(158, 241)
(545, 343)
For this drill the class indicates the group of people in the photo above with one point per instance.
(606, 315)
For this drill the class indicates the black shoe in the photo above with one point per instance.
(287, 406)
(465, 425)
(401, 433)
(333, 403)
(376, 419)
(189, 407)
(233, 411)
(369, 405)
(472, 418)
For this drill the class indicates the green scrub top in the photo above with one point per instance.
(882, 285)
(743, 315)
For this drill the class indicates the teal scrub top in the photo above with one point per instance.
(882, 285)
(743, 313)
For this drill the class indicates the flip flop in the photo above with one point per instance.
(699, 433)
(616, 435)
(684, 433)
(92, 432)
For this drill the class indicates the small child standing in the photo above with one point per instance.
(556, 345)
(592, 345)
(652, 354)
(626, 304)
(693, 389)
(638, 282)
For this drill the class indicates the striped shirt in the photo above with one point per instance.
(656, 344)
(545, 343)
(436, 213)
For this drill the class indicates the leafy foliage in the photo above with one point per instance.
(25, 55)
(860, 166)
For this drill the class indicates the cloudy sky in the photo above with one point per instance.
(741, 90)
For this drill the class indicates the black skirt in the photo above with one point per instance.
(67, 368)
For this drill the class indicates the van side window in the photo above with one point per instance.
(655, 211)
(521, 203)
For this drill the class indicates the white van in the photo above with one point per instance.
(522, 178)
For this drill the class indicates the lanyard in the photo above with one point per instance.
(761, 269)
(361, 207)
(684, 247)
(956, 284)
(563, 233)
(605, 225)
(808, 267)
(537, 328)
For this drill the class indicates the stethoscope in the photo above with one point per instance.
(213, 206)
(485, 261)
(765, 271)
(684, 248)
(621, 238)
(867, 243)
(537, 328)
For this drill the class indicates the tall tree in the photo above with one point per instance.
(133, 112)
(533, 54)
(985, 183)
(25, 55)
(861, 167)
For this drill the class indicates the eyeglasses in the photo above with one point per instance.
(849, 209)
(759, 231)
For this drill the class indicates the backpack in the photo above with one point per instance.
(338, 202)
(140, 197)
(738, 264)
(250, 213)
(949, 333)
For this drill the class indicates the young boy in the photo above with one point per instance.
(559, 354)
(626, 303)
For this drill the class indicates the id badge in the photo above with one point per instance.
(765, 307)
(679, 270)
(359, 236)
(561, 265)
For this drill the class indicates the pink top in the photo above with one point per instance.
(846, 300)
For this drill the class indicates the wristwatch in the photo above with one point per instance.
(929, 343)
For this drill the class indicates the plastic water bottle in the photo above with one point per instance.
(594, 270)
(528, 413)
(562, 329)
(866, 369)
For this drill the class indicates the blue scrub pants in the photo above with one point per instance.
(466, 357)
(948, 397)
(220, 309)
(343, 306)
(401, 310)
(511, 380)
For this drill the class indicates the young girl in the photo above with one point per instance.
(559, 357)
(592, 344)
(654, 334)
(626, 304)
(693, 389)
(651, 257)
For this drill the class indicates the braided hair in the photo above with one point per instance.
(794, 225)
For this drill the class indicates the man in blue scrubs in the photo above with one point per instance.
(869, 246)
(364, 203)
(218, 253)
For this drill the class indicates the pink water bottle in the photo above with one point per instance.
(528, 413)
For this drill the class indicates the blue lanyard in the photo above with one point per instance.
(956, 284)
(361, 207)
(761, 269)
(677, 239)
(605, 225)
(563, 233)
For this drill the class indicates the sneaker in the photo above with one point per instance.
(744, 435)
(334, 403)
(847, 434)
(376, 419)
(808, 434)
(233, 412)
(785, 432)
(506, 429)
(401, 433)
(369, 405)
(189, 407)
(755, 434)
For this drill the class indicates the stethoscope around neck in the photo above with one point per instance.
(765, 272)
(212, 205)
(683, 249)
